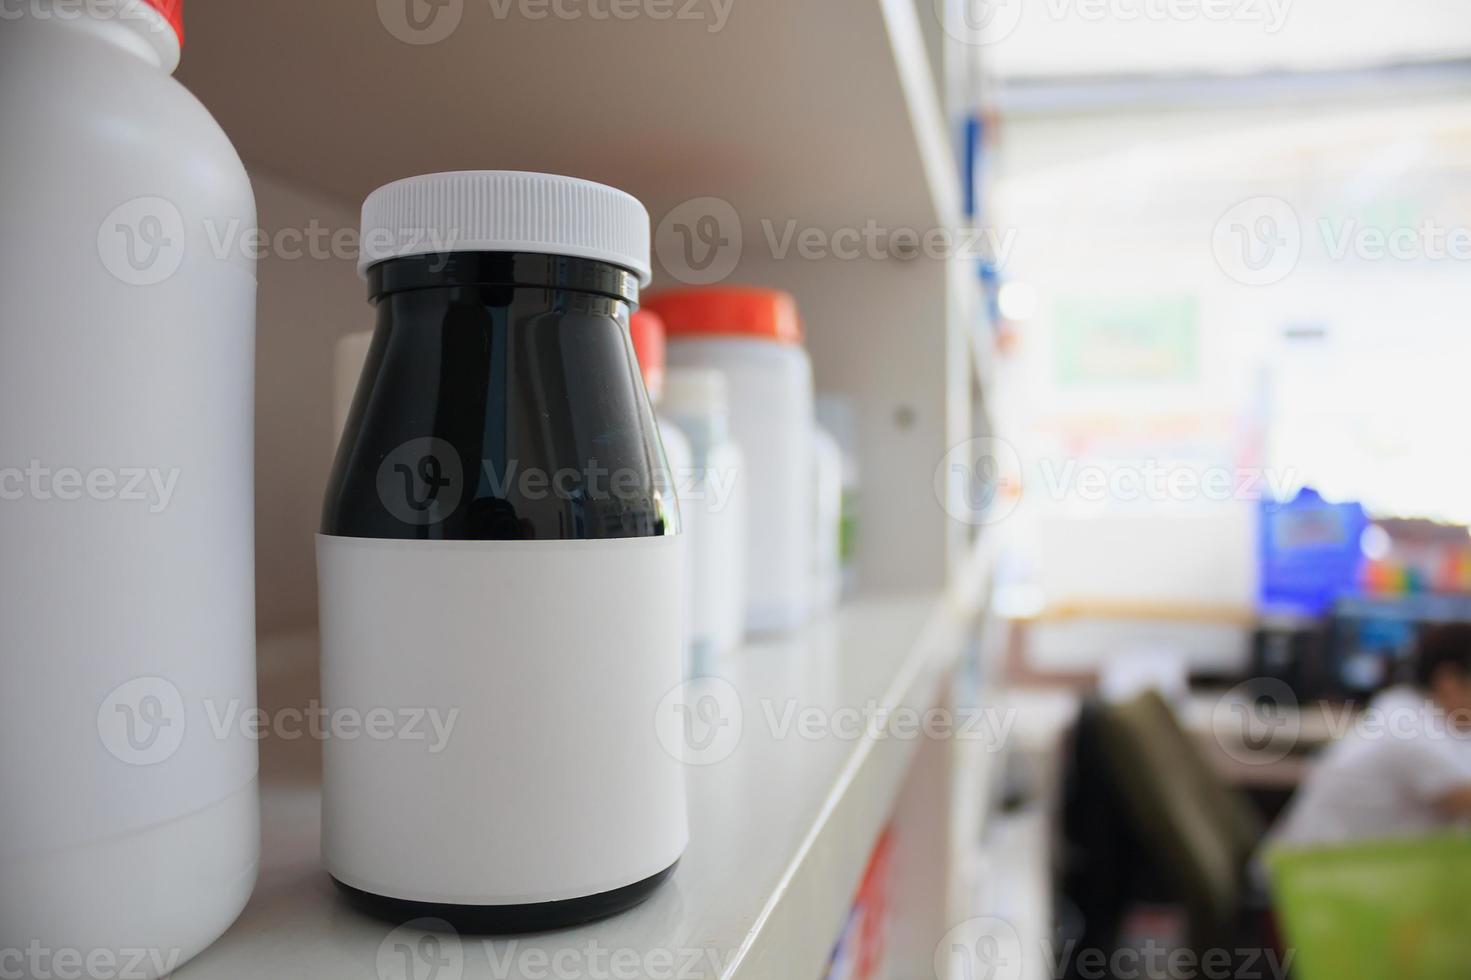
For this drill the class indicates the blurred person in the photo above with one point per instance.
(1405, 768)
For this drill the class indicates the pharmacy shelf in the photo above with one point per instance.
(781, 828)
(818, 118)
(824, 111)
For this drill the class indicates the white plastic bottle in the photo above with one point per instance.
(754, 337)
(712, 506)
(129, 819)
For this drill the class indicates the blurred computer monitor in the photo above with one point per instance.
(1372, 638)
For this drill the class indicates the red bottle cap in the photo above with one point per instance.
(742, 311)
(173, 12)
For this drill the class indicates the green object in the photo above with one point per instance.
(848, 529)
(1394, 909)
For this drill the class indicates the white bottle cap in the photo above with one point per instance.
(505, 211)
(698, 392)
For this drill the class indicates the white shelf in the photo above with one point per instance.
(823, 111)
(782, 828)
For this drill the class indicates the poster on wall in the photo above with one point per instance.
(1127, 340)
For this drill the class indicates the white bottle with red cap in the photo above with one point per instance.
(129, 818)
(754, 337)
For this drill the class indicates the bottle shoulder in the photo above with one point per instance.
(498, 414)
(92, 111)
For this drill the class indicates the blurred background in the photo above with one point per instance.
(1228, 320)
(1234, 252)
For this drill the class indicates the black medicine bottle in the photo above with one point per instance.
(500, 563)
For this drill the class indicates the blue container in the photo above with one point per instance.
(1309, 553)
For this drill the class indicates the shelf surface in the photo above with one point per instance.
(823, 112)
(781, 827)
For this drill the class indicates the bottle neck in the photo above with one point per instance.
(129, 25)
(509, 269)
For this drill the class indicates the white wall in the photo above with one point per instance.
(1128, 206)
